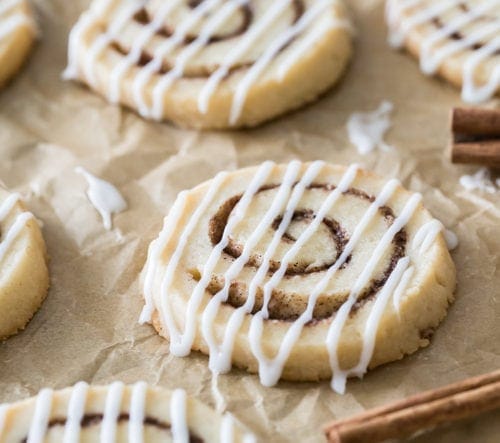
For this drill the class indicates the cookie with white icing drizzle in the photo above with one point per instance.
(117, 413)
(298, 271)
(17, 34)
(210, 63)
(24, 278)
(458, 39)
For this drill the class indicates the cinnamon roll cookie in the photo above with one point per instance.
(299, 272)
(210, 63)
(17, 34)
(23, 270)
(459, 39)
(116, 413)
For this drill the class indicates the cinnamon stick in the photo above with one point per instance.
(422, 411)
(475, 136)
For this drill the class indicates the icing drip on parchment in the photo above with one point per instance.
(452, 38)
(480, 181)
(104, 197)
(10, 22)
(219, 13)
(285, 202)
(367, 129)
(179, 416)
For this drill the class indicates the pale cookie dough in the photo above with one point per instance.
(117, 413)
(458, 39)
(24, 277)
(17, 35)
(211, 63)
(303, 271)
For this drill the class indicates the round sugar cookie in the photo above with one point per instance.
(302, 271)
(116, 413)
(17, 35)
(24, 277)
(210, 63)
(459, 40)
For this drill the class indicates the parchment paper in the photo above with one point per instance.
(87, 328)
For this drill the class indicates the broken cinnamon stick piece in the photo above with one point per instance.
(475, 136)
(457, 401)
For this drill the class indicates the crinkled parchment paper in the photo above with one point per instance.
(87, 328)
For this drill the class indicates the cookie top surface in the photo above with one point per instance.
(116, 412)
(301, 247)
(459, 39)
(212, 58)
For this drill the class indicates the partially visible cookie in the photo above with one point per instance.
(24, 277)
(17, 34)
(116, 413)
(212, 63)
(460, 40)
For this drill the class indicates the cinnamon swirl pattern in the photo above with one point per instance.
(459, 39)
(298, 271)
(116, 413)
(210, 63)
(17, 34)
(24, 276)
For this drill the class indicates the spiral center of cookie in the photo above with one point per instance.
(315, 256)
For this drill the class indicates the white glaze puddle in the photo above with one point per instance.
(103, 196)
(480, 181)
(367, 129)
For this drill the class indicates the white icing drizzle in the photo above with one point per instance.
(3, 417)
(41, 415)
(111, 412)
(367, 129)
(451, 239)
(222, 13)
(180, 63)
(155, 250)
(137, 412)
(401, 288)
(220, 356)
(9, 23)
(180, 344)
(76, 412)
(481, 181)
(103, 41)
(86, 21)
(272, 50)
(103, 196)
(178, 37)
(275, 10)
(227, 429)
(178, 416)
(15, 229)
(271, 369)
(220, 402)
(334, 333)
(438, 45)
(148, 31)
(171, 222)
